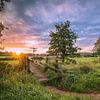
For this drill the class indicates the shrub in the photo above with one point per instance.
(85, 69)
(92, 83)
(87, 84)
(68, 80)
(50, 74)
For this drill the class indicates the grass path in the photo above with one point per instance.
(41, 77)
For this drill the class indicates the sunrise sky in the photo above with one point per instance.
(30, 22)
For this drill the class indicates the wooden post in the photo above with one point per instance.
(27, 64)
(47, 59)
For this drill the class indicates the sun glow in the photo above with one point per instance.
(18, 51)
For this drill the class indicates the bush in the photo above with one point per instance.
(87, 84)
(85, 69)
(67, 81)
(92, 83)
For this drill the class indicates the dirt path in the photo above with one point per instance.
(41, 77)
(67, 93)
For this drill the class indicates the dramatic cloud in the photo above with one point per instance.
(30, 22)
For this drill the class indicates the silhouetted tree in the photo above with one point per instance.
(2, 4)
(63, 41)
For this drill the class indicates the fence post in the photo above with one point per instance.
(27, 64)
(47, 59)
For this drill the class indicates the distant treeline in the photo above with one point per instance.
(83, 54)
(5, 53)
(9, 58)
(87, 54)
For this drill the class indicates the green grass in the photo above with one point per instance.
(13, 62)
(77, 82)
(24, 86)
(84, 76)
(17, 84)
(93, 62)
(4, 56)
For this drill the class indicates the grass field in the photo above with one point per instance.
(15, 83)
(8, 59)
(93, 62)
(82, 76)
(21, 85)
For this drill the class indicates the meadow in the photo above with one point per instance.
(82, 76)
(16, 83)
(91, 62)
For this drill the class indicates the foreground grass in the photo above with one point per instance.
(17, 84)
(23, 86)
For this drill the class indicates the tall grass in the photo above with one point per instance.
(25, 87)
(17, 84)
(84, 79)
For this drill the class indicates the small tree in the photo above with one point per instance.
(62, 41)
(96, 48)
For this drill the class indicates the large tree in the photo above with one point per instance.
(63, 41)
(97, 46)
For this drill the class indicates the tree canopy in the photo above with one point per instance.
(62, 40)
